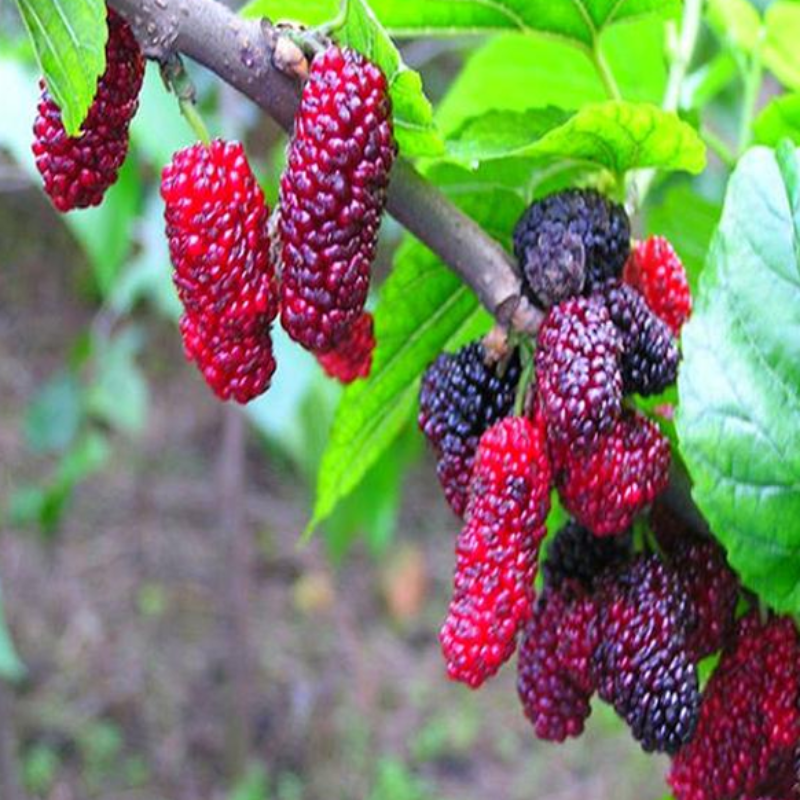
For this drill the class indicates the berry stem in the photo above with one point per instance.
(719, 146)
(177, 80)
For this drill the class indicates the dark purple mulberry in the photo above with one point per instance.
(577, 554)
(554, 703)
(642, 664)
(650, 352)
(569, 241)
(461, 397)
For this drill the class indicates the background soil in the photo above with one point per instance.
(121, 618)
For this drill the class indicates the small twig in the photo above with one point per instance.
(720, 147)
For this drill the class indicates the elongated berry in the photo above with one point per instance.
(578, 373)
(642, 663)
(332, 196)
(655, 269)
(555, 705)
(497, 549)
(220, 249)
(749, 728)
(78, 170)
(462, 396)
(352, 357)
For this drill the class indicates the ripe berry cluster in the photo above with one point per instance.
(602, 339)
(231, 275)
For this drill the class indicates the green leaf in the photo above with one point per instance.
(737, 22)
(70, 40)
(780, 52)
(423, 310)
(53, 418)
(779, 120)
(739, 383)
(415, 130)
(518, 72)
(580, 21)
(11, 668)
(616, 135)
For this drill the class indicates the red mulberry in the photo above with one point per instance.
(78, 170)
(656, 271)
(578, 373)
(497, 550)
(605, 489)
(649, 351)
(556, 706)
(749, 725)
(220, 249)
(569, 241)
(352, 357)
(332, 196)
(642, 664)
(461, 397)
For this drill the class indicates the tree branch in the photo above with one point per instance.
(240, 51)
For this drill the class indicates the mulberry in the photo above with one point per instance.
(497, 550)
(78, 170)
(749, 725)
(220, 249)
(605, 489)
(577, 554)
(461, 397)
(642, 664)
(551, 700)
(333, 193)
(578, 373)
(571, 240)
(656, 271)
(352, 357)
(649, 351)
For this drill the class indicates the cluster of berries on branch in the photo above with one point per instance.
(234, 271)
(622, 616)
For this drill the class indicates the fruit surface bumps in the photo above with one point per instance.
(650, 353)
(497, 549)
(352, 357)
(462, 396)
(78, 170)
(655, 269)
(578, 373)
(642, 663)
(555, 704)
(569, 241)
(332, 195)
(749, 727)
(606, 488)
(576, 554)
(216, 222)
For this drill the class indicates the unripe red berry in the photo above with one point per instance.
(497, 550)
(220, 250)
